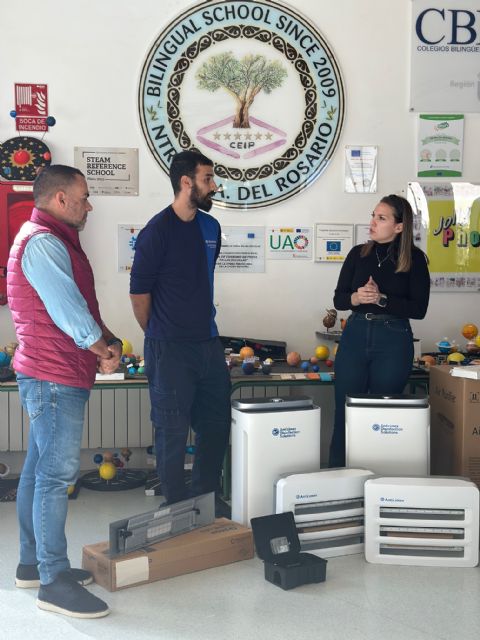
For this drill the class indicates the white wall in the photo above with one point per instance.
(90, 54)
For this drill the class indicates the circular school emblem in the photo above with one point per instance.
(253, 86)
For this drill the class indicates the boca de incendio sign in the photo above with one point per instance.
(252, 85)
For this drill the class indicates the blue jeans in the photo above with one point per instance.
(189, 386)
(52, 464)
(374, 356)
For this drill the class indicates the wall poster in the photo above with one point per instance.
(447, 228)
(243, 250)
(362, 233)
(126, 239)
(361, 169)
(333, 242)
(440, 145)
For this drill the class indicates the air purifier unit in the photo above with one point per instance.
(328, 509)
(388, 434)
(270, 436)
(422, 521)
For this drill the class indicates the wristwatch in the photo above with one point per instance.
(114, 341)
(382, 300)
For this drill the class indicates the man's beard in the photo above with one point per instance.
(201, 202)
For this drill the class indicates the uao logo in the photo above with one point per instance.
(252, 85)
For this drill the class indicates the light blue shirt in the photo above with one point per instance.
(47, 266)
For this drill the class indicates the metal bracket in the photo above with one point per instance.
(162, 523)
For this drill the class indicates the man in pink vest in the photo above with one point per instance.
(62, 342)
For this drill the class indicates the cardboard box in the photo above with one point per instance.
(455, 425)
(222, 542)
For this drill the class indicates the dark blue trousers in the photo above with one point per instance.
(374, 356)
(189, 386)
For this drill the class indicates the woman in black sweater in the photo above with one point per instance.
(384, 282)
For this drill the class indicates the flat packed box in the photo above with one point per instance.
(222, 542)
(455, 424)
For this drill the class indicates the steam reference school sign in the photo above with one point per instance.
(445, 60)
(252, 85)
(109, 171)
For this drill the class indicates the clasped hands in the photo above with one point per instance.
(110, 364)
(368, 294)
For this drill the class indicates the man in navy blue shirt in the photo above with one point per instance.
(171, 290)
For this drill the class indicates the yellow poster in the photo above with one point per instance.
(447, 228)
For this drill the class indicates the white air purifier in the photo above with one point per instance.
(422, 521)
(270, 436)
(388, 434)
(328, 509)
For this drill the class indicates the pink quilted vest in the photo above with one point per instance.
(44, 351)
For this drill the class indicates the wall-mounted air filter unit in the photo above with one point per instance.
(328, 509)
(422, 521)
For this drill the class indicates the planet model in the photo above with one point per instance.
(126, 346)
(294, 358)
(428, 361)
(469, 330)
(248, 367)
(472, 347)
(455, 357)
(246, 352)
(322, 352)
(107, 471)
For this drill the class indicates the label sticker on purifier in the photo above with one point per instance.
(387, 429)
(285, 432)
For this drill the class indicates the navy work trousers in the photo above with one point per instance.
(189, 386)
(374, 356)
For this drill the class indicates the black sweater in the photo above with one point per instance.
(407, 293)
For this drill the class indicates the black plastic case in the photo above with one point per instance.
(277, 544)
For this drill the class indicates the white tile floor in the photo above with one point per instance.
(358, 600)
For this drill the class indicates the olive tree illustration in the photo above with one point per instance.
(243, 79)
